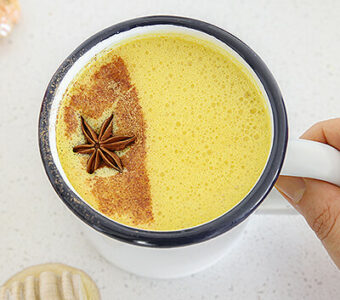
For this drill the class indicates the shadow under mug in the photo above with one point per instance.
(169, 254)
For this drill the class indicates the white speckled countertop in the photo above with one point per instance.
(278, 257)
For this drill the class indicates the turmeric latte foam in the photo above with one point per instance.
(201, 125)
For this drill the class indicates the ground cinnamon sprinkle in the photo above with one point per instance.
(70, 120)
(126, 194)
(108, 84)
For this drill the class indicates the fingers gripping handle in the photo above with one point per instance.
(313, 160)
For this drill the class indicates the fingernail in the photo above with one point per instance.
(292, 187)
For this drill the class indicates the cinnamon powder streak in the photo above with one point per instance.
(124, 194)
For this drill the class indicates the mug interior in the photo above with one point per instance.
(107, 39)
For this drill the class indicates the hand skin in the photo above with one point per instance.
(318, 201)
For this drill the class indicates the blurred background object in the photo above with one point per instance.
(9, 15)
(50, 281)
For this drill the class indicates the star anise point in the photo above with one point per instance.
(101, 146)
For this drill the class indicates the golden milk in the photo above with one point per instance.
(202, 125)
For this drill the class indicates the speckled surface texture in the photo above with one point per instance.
(278, 257)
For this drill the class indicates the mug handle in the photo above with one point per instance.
(311, 159)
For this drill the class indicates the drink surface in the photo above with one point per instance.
(201, 123)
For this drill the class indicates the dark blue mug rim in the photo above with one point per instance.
(214, 228)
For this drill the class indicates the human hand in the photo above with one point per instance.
(318, 201)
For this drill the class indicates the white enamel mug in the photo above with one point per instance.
(169, 254)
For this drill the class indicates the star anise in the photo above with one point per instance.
(101, 147)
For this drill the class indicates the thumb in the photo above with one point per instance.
(319, 203)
